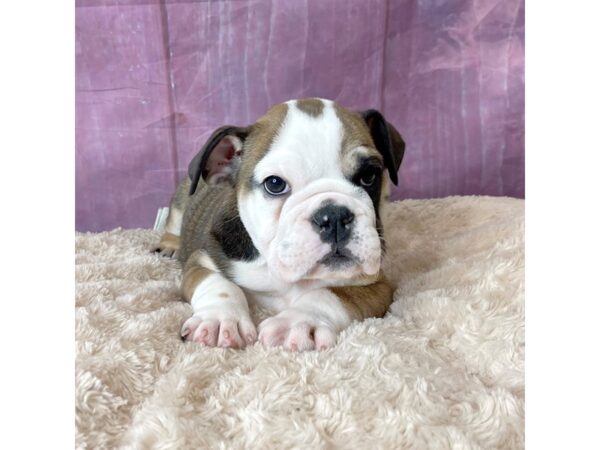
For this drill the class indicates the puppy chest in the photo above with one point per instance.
(262, 288)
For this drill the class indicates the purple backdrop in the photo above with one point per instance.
(154, 79)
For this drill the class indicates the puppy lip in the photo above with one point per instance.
(338, 257)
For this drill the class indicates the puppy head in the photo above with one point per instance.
(309, 180)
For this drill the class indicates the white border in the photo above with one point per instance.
(563, 224)
(37, 226)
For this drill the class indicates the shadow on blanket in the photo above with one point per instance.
(443, 369)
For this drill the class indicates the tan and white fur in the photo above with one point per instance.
(310, 253)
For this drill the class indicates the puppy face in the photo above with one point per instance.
(309, 179)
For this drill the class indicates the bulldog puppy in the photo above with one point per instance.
(285, 213)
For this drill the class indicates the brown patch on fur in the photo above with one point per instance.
(169, 244)
(223, 295)
(191, 279)
(169, 240)
(311, 106)
(356, 134)
(362, 302)
(259, 141)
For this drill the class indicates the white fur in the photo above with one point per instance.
(264, 289)
(255, 276)
(307, 154)
(297, 245)
(308, 316)
(218, 320)
(311, 321)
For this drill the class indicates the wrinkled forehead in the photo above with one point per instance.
(315, 137)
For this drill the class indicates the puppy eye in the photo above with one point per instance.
(368, 177)
(275, 185)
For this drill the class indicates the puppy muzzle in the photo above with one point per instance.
(326, 231)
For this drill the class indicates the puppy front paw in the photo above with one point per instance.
(165, 250)
(214, 331)
(168, 246)
(296, 331)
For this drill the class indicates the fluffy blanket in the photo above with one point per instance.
(443, 369)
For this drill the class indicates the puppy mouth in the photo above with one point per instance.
(338, 258)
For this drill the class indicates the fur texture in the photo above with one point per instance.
(443, 369)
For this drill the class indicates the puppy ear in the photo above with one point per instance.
(387, 140)
(219, 159)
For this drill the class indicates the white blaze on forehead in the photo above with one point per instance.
(306, 147)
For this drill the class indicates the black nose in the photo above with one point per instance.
(333, 223)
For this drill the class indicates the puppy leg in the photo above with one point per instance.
(169, 242)
(367, 301)
(316, 317)
(221, 316)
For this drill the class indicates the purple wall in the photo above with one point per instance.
(153, 80)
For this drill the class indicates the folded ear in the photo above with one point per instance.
(387, 140)
(219, 158)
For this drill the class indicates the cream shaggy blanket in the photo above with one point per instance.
(443, 369)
